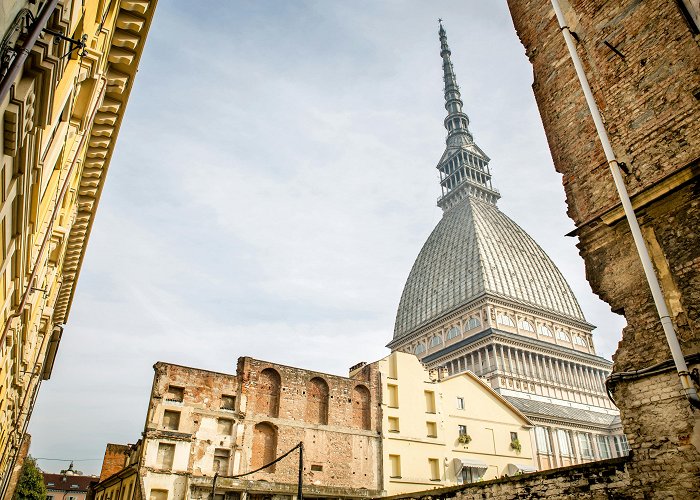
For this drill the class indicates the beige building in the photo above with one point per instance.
(67, 70)
(443, 430)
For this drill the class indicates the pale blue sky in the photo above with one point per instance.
(272, 183)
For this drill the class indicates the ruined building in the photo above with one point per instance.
(201, 424)
(483, 296)
(66, 71)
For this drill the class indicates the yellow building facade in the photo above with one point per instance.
(67, 70)
(440, 430)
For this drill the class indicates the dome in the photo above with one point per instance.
(477, 250)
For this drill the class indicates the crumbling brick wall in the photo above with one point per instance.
(643, 62)
(337, 418)
(115, 459)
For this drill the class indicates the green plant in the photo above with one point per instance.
(31, 483)
(464, 438)
(515, 445)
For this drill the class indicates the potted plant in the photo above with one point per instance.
(515, 445)
(464, 438)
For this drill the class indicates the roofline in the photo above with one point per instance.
(165, 363)
(490, 389)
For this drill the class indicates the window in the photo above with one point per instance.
(513, 436)
(526, 325)
(171, 420)
(393, 395)
(420, 349)
(578, 340)
(435, 341)
(542, 439)
(393, 424)
(264, 446)
(166, 455)
(431, 429)
(460, 403)
(158, 495)
(434, 465)
(473, 323)
(545, 331)
(454, 332)
(224, 426)
(564, 444)
(584, 444)
(316, 468)
(175, 394)
(504, 319)
(603, 447)
(462, 430)
(221, 459)
(429, 401)
(228, 402)
(395, 466)
(562, 335)
(622, 448)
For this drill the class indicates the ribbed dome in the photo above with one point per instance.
(474, 250)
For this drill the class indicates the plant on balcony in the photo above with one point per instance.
(464, 438)
(515, 445)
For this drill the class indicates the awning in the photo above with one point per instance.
(460, 463)
(513, 469)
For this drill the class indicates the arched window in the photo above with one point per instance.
(580, 341)
(436, 340)
(454, 332)
(546, 331)
(561, 335)
(473, 323)
(526, 325)
(361, 416)
(504, 319)
(317, 401)
(268, 393)
(420, 349)
(264, 446)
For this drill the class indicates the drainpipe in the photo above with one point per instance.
(664, 317)
(34, 34)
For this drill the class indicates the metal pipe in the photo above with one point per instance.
(18, 61)
(664, 317)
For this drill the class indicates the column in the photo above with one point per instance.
(481, 369)
(488, 358)
(495, 357)
(556, 451)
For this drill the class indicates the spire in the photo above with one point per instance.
(464, 169)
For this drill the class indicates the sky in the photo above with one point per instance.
(273, 181)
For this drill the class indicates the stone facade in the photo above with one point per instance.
(204, 426)
(604, 480)
(60, 115)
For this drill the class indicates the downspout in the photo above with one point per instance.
(34, 34)
(664, 317)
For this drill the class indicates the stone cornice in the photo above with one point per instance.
(132, 22)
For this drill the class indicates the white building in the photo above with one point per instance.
(483, 296)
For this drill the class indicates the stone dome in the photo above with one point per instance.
(477, 250)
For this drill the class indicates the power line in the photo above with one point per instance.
(67, 459)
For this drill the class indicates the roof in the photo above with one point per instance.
(66, 482)
(536, 409)
(475, 250)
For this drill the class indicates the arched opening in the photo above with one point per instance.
(268, 393)
(361, 416)
(264, 446)
(317, 401)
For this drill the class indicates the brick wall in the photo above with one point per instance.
(115, 459)
(648, 93)
(337, 418)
